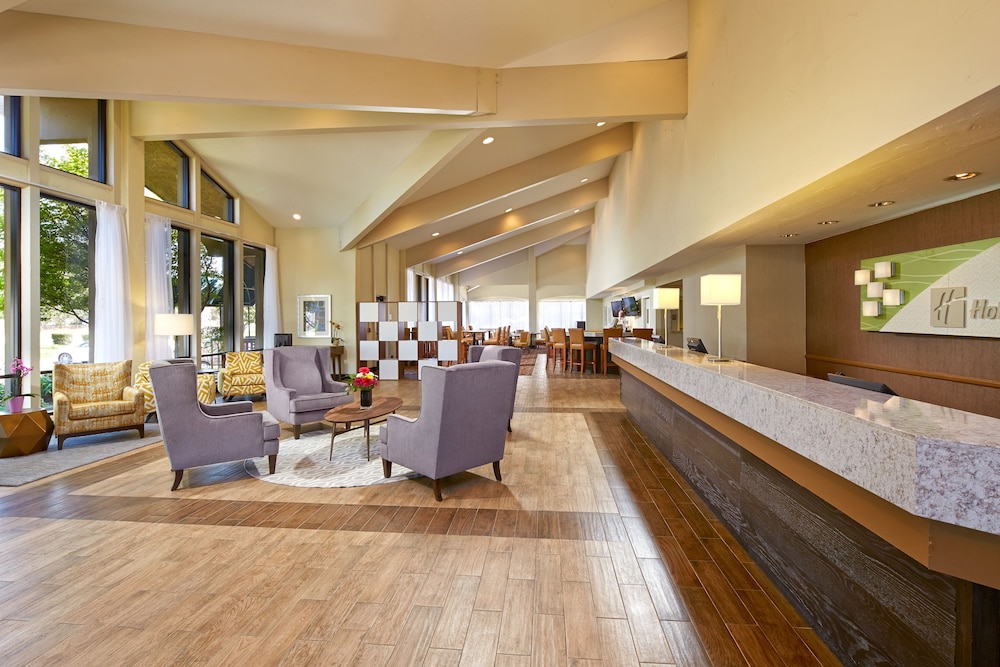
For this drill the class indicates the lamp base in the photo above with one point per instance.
(718, 360)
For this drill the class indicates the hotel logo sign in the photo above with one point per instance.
(948, 307)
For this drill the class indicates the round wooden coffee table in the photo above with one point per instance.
(352, 413)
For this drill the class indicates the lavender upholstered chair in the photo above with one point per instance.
(462, 423)
(300, 385)
(502, 352)
(195, 434)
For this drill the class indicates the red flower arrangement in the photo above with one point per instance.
(365, 379)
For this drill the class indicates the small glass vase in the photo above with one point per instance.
(366, 399)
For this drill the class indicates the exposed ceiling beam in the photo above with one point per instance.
(414, 171)
(155, 63)
(499, 264)
(582, 93)
(576, 222)
(580, 197)
(503, 182)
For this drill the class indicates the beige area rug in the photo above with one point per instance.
(76, 452)
(305, 462)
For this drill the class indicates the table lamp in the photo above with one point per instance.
(173, 324)
(721, 289)
(666, 298)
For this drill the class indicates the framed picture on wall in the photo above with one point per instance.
(313, 315)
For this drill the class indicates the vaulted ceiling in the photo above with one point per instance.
(371, 115)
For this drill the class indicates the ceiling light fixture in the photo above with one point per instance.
(436, 234)
(576, 210)
(296, 216)
(880, 204)
(828, 222)
(962, 176)
(459, 252)
(600, 123)
(584, 180)
(508, 210)
(788, 236)
(487, 141)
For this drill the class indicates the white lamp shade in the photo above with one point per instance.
(871, 308)
(883, 270)
(721, 289)
(875, 290)
(893, 297)
(173, 324)
(862, 276)
(667, 298)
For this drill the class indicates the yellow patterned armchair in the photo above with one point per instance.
(243, 375)
(95, 398)
(206, 384)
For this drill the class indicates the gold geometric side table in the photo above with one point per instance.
(23, 433)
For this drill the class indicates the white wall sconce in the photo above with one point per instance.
(893, 297)
(874, 290)
(721, 289)
(871, 308)
(884, 270)
(862, 276)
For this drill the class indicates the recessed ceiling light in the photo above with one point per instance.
(600, 123)
(788, 236)
(584, 180)
(296, 216)
(880, 204)
(459, 252)
(962, 176)
(508, 210)
(576, 210)
(487, 141)
(436, 234)
(828, 222)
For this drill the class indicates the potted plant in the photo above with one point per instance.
(335, 331)
(14, 401)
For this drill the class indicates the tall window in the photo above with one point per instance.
(180, 281)
(9, 281)
(561, 313)
(72, 136)
(66, 280)
(216, 262)
(10, 125)
(253, 293)
(215, 201)
(499, 313)
(167, 174)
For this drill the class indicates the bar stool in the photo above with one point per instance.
(559, 347)
(577, 343)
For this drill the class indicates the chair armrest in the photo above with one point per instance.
(334, 387)
(218, 409)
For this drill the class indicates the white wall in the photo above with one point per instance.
(781, 94)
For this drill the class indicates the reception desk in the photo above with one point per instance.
(877, 515)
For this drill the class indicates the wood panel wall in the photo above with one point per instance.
(833, 308)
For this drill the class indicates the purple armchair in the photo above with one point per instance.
(503, 353)
(463, 419)
(195, 434)
(300, 385)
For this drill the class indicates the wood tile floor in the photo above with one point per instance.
(593, 551)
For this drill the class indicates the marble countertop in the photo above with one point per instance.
(934, 462)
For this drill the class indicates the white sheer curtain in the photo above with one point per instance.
(489, 314)
(159, 293)
(112, 295)
(561, 313)
(445, 289)
(272, 301)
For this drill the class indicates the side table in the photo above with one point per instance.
(23, 433)
(336, 356)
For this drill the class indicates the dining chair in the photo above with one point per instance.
(578, 344)
(645, 334)
(559, 347)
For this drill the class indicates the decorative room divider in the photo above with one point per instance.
(407, 332)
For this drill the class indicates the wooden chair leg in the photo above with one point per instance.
(386, 468)
(296, 429)
(142, 430)
(436, 483)
(178, 474)
(496, 470)
(272, 461)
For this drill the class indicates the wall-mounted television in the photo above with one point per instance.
(616, 307)
(631, 306)
(859, 383)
